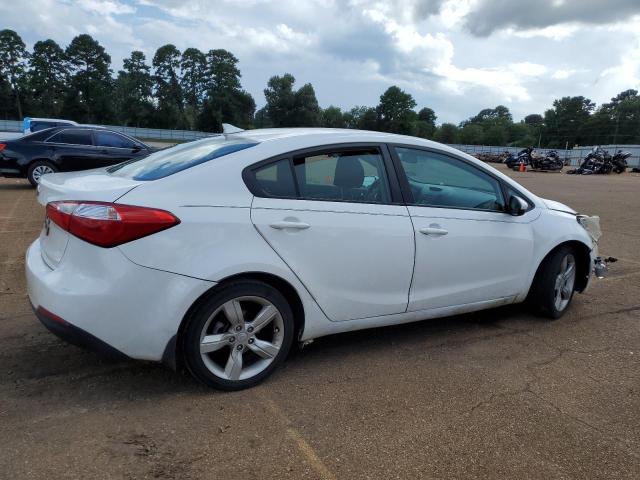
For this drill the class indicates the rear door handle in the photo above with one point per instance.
(293, 225)
(434, 232)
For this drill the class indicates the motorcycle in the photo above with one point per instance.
(523, 156)
(619, 161)
(598, 161)
(550, 162)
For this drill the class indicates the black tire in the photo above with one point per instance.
(542, 295)
(197, 321)
(31, 171)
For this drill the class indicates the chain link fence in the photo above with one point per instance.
(572, 157)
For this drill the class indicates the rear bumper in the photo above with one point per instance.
(76, 336)
(100, 298)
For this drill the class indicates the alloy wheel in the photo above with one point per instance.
(41, 170)
(241, 338)
(564, 283)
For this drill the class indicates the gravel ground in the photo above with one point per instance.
(496, 394)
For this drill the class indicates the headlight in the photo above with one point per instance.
(591, 225)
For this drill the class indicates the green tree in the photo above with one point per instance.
(134, 90)
(280, 99)
(395, 111)
(426, 123)
(89, 98)
(332, 117)
(289, 108)
(362, 118)
(194, 68)
(618, 120)
(13, 62)
(447, 133)
(471, 134)
(47, 79)
(261, 119)
(306, 111)
(226, 101)
(168, 92)
(565, 122)
(7, 110)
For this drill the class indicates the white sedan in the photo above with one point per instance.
(217, 255)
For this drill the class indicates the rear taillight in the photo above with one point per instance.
(108, 224)
(3, 146)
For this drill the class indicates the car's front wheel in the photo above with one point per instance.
(554, 283)
(239, 335)
(39, 168)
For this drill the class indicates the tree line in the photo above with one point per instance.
(198, 90)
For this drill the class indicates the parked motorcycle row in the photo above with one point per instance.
(550, 162)
(598, 161)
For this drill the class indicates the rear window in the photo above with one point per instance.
(40, 136)
(175, 159)
(72, 137)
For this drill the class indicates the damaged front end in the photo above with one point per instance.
(592, 225)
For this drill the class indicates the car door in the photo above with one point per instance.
(336, 217)
(468, 249)
(73, 149)
(113, 148)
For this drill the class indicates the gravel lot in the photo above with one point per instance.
(497, 394)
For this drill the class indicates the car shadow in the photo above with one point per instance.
(439, 331)
(57, 366)
(17, 186)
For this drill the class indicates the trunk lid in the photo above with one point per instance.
(96, 185)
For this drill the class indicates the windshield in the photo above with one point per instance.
(175, 159)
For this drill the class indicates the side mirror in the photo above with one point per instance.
(136, 148)
(517, 206)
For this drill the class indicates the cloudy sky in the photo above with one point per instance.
(455, 56)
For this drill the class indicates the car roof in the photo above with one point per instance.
(53, 130)
(38, 119)
(269, 134)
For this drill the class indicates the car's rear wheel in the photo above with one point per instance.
(554, 284)
(239, 335)
(39, 168)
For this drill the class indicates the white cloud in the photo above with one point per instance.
(562, 74)
(106, 7)
(352, 50)
(555, 32)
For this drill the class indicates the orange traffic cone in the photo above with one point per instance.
(522, 167)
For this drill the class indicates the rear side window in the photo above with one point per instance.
(40, 136)
(72, 137)
(275, 180)
(181, 157)
(108, 139)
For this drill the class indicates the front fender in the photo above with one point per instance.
(553, 229)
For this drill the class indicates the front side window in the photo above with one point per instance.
(108, 139)
(72, 137)
(347, 176)
(442, 181)
(181, 157)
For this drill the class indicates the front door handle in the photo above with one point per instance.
(293, 225)
(434, 232)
